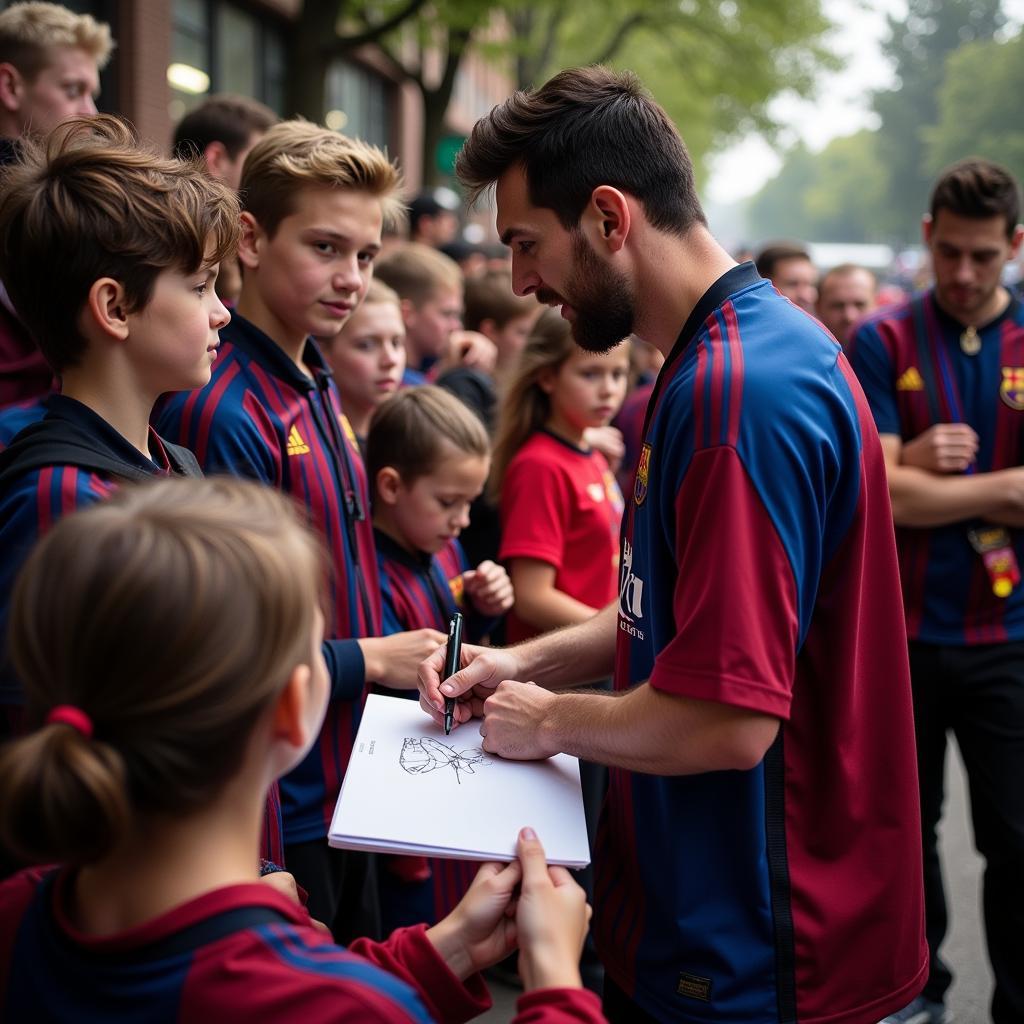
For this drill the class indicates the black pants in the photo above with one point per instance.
(342, 888)
(978, 693)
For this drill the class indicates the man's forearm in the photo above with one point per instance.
(571, 656)
(924, 499)
(648, 731)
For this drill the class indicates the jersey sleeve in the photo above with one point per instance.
(735, 600)
(535, 504)
(559, 1006)
(346, 668)
(872, 364)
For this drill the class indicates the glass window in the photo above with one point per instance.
(357, 103)
(237, 52)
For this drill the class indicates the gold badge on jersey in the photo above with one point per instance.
(1011, 390)
(642, 469)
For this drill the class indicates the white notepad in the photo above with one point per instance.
(411, 789)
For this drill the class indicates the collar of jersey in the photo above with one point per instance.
(247, 337)
(956, 327)
(390, 548)
(94, 426)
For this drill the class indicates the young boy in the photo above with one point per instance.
(427, 457)
(494, 309)
(140, 238)
(313, 203)
(50, 60)
(431, 289)
(367, 356)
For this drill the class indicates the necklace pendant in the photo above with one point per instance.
(970, 342)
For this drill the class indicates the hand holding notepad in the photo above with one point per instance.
(411, 789)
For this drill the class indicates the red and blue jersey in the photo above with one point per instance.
(910, 364)
(15, 418)
(759, 571)
(262, 418)
(242, 953)
(630, 421)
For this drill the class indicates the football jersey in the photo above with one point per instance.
(946, 590)
(759, 571)
(261, 417)
(560, 504)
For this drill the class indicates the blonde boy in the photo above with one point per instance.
(314, 203)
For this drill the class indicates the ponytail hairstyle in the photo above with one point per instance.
(525, 406)
(170, 615)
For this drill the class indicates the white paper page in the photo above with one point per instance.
(410, 788)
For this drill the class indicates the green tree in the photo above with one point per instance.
(979, 107)
(918, 46)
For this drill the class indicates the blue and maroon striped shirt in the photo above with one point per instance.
(759, 571)
(261, 417)
(946, 590)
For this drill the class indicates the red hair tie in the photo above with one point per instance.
(68, 714)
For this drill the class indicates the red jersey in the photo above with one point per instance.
(560, 504)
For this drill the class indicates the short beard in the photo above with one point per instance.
(601, 299)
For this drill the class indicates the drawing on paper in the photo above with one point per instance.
(418, 757)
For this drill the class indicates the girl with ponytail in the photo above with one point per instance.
(169, 644)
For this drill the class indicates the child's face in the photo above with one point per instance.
(587, 389)
(512, 338)
(368, 356)
(429, 326)
(315, 270)
(173, 340)
(433, 509)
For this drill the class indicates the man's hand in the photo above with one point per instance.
(942, 448)
(514, 717)
(489, 589)
(393, 660)
(482, 669)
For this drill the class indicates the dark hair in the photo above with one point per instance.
(778, 252)
(584, 128)
(88, 203)
(408, 432)
(220, 575)
(844, 270)
(231, 120)
(978, 189)
(490, 297)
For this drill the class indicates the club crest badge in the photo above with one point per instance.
(642, 469)
(1011, 390)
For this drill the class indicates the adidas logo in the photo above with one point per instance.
(910, 380)
(296, 446)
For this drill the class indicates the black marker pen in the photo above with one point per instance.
(452, 659)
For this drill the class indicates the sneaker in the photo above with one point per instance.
(920, 1011)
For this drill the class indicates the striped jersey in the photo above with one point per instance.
(759, 570)
(15, 418)
(241, 953)
(946, 590)
(261, 417)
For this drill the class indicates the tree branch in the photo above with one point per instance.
(373, 32)
(622, 33)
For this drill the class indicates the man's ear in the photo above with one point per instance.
(12, 88)
(388, 485)
(106, 308)
(216, 158)
(606, 218)
(1015, 241)
(251, 241)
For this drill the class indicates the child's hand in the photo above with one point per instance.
(480, 931)
(609, 442)
(552, 917)
(489, 589)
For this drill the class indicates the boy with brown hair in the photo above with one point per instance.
(314, 203)
(140, 238)
(431, 289)
(50, 59)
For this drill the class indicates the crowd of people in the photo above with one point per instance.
(265, 427)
